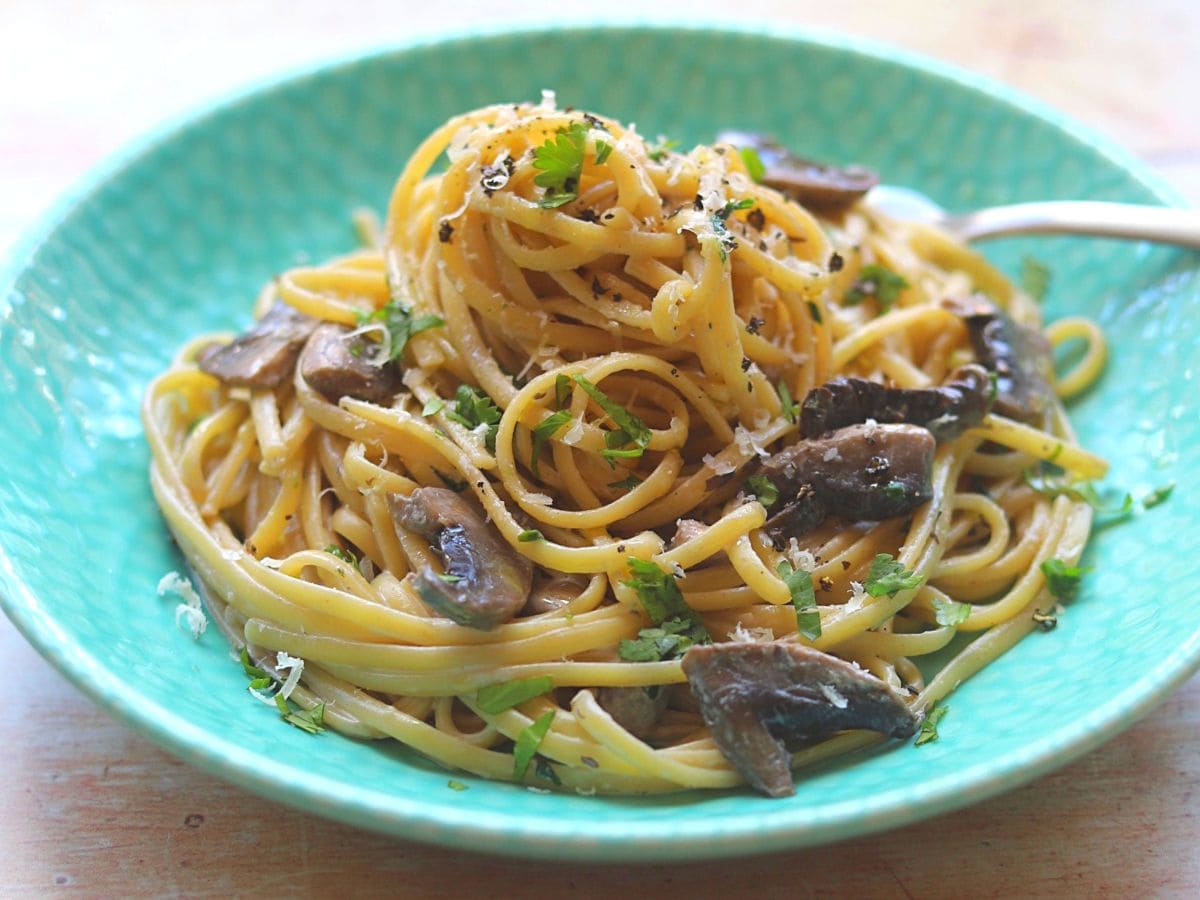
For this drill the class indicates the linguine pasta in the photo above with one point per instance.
(644, 328)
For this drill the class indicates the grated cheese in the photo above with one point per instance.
(189, 612)
(833, 695)
(718, 465)
(294, 666)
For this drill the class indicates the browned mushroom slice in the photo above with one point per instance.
(635, 709)
(1019, 356)
(486, 581)
(809, 183)
(335, 365)
(763, 700)
(863, 471)
(946, 411)
(265, 356)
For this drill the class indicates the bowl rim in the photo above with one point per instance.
(451, 824)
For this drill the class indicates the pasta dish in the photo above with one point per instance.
(608, 466)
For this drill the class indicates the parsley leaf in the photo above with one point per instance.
(527, 743)
(560, 160)
(887, 576)
(251, 670)
(433, 406)
(397, 319)
(804, 599)
(631, 429)
(950, 612)
(791, 408)
(496, 698)
(1083, 492)
(343, 555)
(1035, 277)
(562, 390)
(1062, 579)
(658, 592)
(929, 726)
(311, 721)
(603, 149)
(627, 483)
(545, 430)
(879, 282)
(764, 489)
(720, 226)
(660, 148)
(456, 785)
(530, 534)
(754, 164)
(473, 408)
(1158, 495)
(668, 640)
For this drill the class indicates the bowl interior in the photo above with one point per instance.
(178, 239)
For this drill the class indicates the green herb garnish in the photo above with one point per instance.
(950, 612)
(545, 430)
(660, 148)
(473, 408)
(560, 160)
(630, 429)
(496, 698)
(764, 489)
(668, 640)
(1083, 492)
(657, 590)
(397, 319)
(929, 726)
(753, 162)
(1062, 579)
(887, 576)
(879, 282)
(251, 670)
(804, 599)
(456, 785)
(450, 578)
(344, 555)
(790, 408)
(562, 390)
(626, 483)
(527, 743)
(1157, 496)
(725, 239)
(603, 149)
(433, 406)
(529, 535)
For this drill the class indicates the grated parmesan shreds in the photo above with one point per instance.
(747, 444)
(832, 454)
(800, 558)
(294, 666)
(718, 465)
(188, 612)
(834, 696)
(754, 635)
(575, 433)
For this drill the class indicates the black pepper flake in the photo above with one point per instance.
(594, 122)
(479, 484)
(836, 263)
(756, 218)
(845, 565)
(589, 215)
(444, 232)
(749, 387)
(674, 372)
(597, 288)
(698, 203)
(620, 548)
(745, 364)
(815, 312)
(754, 324)
(617, 298)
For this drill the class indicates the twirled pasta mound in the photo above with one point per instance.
(624, 469)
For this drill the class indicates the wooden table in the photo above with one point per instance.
(88, 807)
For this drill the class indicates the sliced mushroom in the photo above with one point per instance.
(809, 183)
(265, 356)
(946, 411)
(549, 594)
(335, 365)
(486, 581)
(635, 709)
(763, 700)
(1019, 356)
(863, 471)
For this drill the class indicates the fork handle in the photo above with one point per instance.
(1118, 220)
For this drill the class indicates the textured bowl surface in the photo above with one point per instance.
(176, 237)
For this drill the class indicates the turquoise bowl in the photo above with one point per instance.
(176, 236)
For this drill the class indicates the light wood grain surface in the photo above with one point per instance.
(87, 807)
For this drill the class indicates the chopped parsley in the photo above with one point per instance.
(529, 535)
(1035, 277)
(658, 150)
(562, 390)
(251, 670)
(1062, 580)
(560, 160)
(929, 726)
(879, 282)
(887, 576)
(626, 483)
(344, 555)
(950, 612)
(764, 489)
(433, 406)
(725, 239)
(1157, 496)
(456, 785)
(603, 149)
(659, 594)
(894, 490)
(473, 408)
(398, 321)
(545, 430)
(1083, 492)
(527, 743)
(450, 578)
(754, 164)
(804, 599)
(630, 429)
(790, 408)
(311, 721)
(668, 640)
(496, 698)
